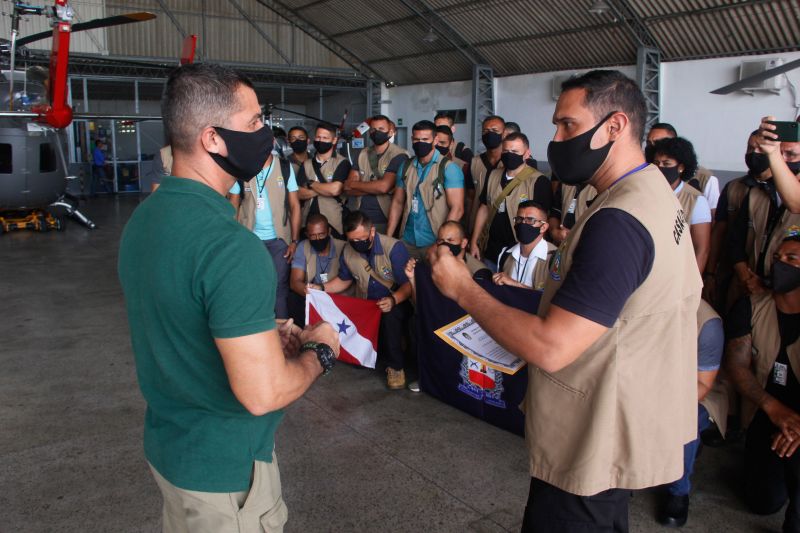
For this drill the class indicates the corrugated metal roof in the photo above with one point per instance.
(387, 37)
(520, 36)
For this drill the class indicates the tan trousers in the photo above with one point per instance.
(259, 510)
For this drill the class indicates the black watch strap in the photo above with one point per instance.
(325, 355)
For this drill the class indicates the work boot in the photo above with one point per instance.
(675, 511)
(395, 379)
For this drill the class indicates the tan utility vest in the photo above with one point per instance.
(329, 206)
(360, 268)
(577, 204)
(702, 175)
(295, 164)
(766, 347)
(521, 193)
(478, 172)
(619, 415)
(757, 238)
(716, 401)
(434, 199)
(368, 173)
(737, 190)
(334, 252)
(275, 186)
(541, 271)
(688, 199)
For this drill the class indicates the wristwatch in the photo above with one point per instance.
(325, 355)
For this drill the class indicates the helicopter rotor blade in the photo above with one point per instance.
(758, 78)
(92, 25)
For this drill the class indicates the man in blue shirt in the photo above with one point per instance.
(99, 176)
(429, 191)
(270, 208)
(376, 263)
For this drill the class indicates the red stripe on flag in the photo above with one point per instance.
(344, 355)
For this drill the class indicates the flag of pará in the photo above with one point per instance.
(357, 321)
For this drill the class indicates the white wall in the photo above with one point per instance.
(528, 100)
(717, 125)
(412, 103)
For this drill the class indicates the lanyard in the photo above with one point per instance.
(524, 268)
(635, 170)
(266, 177)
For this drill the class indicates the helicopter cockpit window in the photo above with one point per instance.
(47, 158)
(5, 159)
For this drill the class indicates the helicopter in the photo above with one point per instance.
(33, 115)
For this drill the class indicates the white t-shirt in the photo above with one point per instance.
(711, 192)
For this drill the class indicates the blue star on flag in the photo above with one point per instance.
(343, 326)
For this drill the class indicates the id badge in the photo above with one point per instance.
(323, 278)
(779, 373)
(502, 208)
(415, 205)
(572, 206)
(260, 203)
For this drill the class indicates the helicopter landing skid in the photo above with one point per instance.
(74, 213)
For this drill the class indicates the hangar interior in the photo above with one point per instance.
(353, 457)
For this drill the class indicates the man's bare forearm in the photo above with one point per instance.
(738, 358)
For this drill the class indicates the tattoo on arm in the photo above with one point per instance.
(738, 355)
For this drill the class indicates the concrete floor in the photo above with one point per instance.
(354, 457)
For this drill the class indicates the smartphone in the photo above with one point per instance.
(788, 132)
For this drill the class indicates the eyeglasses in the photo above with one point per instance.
(528, 220)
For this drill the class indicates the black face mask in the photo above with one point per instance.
(671, 173)
(422, 149)
(785, 277)
(444, 150)
(247, 151)
(361, 247)
(319, 244)
(299, 146)
(322, 147)
(526, 233)
(455, 249)
(574, 160)
(511, 160)
(491, 140)
(794, 167)
(379, 137)
(756, 163)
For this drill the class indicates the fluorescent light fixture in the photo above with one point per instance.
(599, 7)
(431, 36)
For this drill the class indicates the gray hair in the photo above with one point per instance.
(197, 96)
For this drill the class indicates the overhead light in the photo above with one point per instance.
(599, 7)
(431, 36)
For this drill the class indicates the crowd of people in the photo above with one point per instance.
(623, 238)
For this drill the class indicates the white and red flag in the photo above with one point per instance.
(357, 321)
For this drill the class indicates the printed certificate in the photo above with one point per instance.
(466, 336)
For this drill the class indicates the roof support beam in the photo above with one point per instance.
(482, 100)
(172, 18)
(648, 77)
(260, 31)
(291, 15)
(450, 33)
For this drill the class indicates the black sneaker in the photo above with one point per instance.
(674, 511)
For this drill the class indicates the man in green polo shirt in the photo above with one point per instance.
(212, 364)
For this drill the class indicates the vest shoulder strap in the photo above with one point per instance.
(524, 174)
(286, 172)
